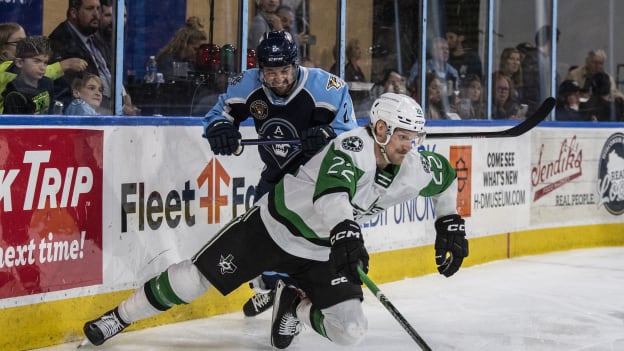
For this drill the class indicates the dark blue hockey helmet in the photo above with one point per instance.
(277, 48)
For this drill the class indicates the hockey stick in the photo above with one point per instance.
(393, 311)
(539, 115)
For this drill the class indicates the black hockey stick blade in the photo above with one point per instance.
(539, 115)
(393, 310)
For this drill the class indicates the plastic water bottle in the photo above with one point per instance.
(150, 70)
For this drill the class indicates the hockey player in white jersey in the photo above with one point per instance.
(307, 227)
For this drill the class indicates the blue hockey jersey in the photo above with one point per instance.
(317, 98)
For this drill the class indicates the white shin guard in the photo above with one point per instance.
(136, 307)
(186, 282)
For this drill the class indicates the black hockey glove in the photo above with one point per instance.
(451, 245)
(224, 138)
(347, 250)
(313, 139)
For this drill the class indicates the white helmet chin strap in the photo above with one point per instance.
(382, 146)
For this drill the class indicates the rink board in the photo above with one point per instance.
(101, 207)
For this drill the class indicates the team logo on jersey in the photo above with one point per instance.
(226, 265)
(353, 143)
(425, 163)
(334, 82)
(259, 109)
(277, 128)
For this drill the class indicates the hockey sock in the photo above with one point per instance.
(316, 321)
(160, 294)
(311, 316)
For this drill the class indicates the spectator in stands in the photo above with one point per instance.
(465, 61)
(568, 102)
(182, 47)
(87, 96)
(511, 65)
(10, 34)
(447, 75)
(265, 20)
(504, 106)
(603, 106)
(438, 63)
(75, 37)
(104, 34)
(525, 48)
(536, 69)
(31, 92)
(353, 71)
(471, 104)
(289, 24)
(379, 62)
(362, 99)
(393, 82)
(104, 40)
(594, 63)
(434, 108)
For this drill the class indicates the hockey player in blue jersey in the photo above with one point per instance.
(308, 227)
(286, 101)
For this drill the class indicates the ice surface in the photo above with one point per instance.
(571, 301)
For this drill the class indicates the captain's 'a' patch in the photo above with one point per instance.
(353, 143)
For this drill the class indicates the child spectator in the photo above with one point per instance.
(87, 93)
(471, 105)
(568, 102)
(10, 34)
(30, 92)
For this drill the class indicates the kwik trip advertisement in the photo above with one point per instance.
(50, 210)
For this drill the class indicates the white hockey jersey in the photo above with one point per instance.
(343, 182)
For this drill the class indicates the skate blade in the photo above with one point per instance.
(84, 343)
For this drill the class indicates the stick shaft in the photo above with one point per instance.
(539, 115)
(393, 310)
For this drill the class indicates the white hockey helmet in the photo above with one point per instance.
(398, 111)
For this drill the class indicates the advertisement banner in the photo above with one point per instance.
(577, 176)
(50, 210)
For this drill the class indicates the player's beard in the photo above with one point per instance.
(283, 87)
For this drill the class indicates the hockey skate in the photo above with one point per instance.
(264, 286)
(284, 324)
(104, 327)
(259, 303)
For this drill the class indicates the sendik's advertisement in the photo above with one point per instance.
(50, 210)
